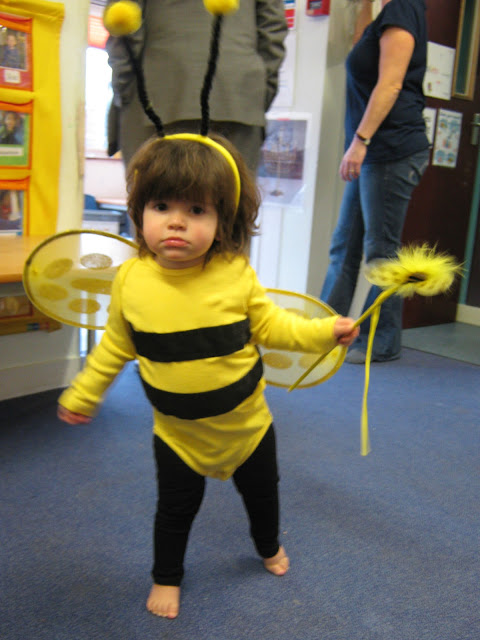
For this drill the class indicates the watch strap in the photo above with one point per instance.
(366, 141)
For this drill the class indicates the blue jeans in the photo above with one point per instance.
(371, 219)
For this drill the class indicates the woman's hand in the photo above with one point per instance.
(352, 160)
(72, 418)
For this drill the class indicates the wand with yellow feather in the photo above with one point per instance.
(415, 270)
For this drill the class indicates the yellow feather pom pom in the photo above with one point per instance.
(221, 7)
(122, 18)
(415, 270)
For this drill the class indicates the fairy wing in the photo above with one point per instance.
(69, 276)
(283, 368)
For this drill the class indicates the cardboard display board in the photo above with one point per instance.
(30, 116)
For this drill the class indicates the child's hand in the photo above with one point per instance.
(344, 331)
(72, 418)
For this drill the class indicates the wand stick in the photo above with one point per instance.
(415, 270)
(379, 300)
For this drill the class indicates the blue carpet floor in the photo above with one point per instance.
(383, 547)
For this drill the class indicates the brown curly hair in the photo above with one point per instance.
(189, 170)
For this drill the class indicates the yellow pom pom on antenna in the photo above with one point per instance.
(122, 18)
(221, 7)
(415, 270)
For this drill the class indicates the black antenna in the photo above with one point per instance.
(142, 91)
(208, 79)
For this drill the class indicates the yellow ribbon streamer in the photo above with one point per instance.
(377, 303)
(374, 311)
(364, 437)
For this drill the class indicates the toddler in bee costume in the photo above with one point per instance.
(191, 310)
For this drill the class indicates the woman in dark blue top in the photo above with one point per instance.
(386, 153)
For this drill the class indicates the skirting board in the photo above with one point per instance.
(37, 377)
(468, 315)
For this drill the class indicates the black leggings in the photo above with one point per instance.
(180, 494)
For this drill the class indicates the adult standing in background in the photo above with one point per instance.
(173, 43)
(386, 153)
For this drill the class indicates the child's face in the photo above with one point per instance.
(5, 206)
(178, 232)
(10, 121)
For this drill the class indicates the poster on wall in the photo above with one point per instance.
(447, 138)
(15, 52)
(15, 126)
(280, 174)
(437, 82)
(12, 211)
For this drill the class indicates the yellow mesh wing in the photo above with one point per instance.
(69, 276)
(283, 368)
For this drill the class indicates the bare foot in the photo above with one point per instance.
(277, 564)
(164, 601)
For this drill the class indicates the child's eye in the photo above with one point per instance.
(197, 209)
(161, 206)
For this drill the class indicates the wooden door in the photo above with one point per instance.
(440, 207)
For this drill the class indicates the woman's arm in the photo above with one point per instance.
(396, 49)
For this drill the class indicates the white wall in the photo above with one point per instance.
(281, 253)
(37, 361)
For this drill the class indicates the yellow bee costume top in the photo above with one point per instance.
(196, 336)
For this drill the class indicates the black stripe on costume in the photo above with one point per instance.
(192, 406)
(195, 344)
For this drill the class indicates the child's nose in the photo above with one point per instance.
(177, 219)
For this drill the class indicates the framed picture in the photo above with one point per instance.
(15, 52)
(15, 127)
(280, 174)
(12, 211)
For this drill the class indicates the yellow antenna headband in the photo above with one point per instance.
(125, 17)
(196, 137)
